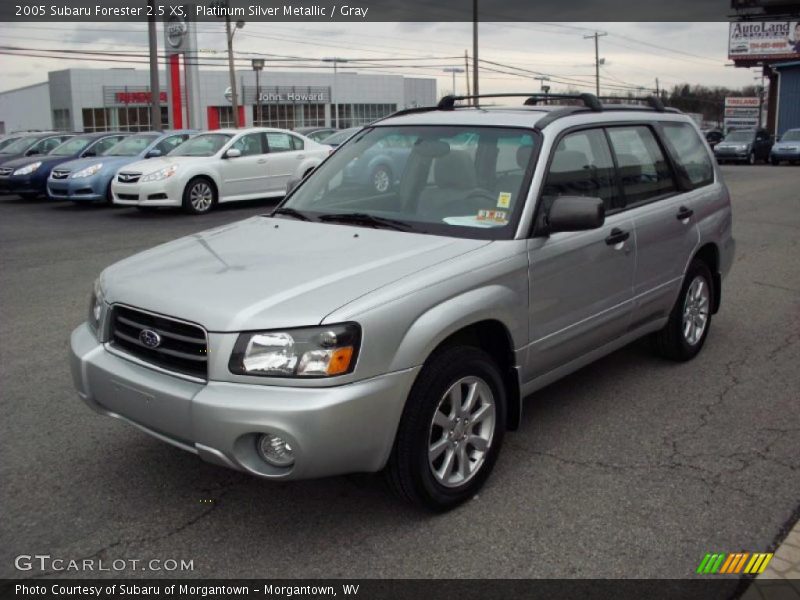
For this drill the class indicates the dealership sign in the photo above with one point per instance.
(764, 40)
(742, 112)
(283, 95)
(130, 95)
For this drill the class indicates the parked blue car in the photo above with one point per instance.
(380, 167)
(27, 177)
(31, 144)
(89, 179)
(787, 148)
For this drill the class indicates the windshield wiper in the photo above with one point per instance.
(365, 219)
(289, 212)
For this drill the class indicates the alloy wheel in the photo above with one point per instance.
(201, 196)
(461, 431)
(696, 310)
(381, 181)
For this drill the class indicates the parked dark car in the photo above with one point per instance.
(381, 166)
(340, 137)
(33, 144)
(744, 145)
(316, 133)
(713, 136)
(27, 177)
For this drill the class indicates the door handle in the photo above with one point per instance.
(261, 161)
(617, 236)
(684, 213)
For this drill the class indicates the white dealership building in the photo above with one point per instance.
(119, 99)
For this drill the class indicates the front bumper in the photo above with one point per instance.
(19, 184)
(784, 154)
(152, 193)
(88, 188)
(334, 430)
(732, 154)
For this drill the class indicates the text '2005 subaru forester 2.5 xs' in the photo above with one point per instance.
(398, 330)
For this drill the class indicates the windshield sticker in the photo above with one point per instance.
(503, 200)
(470, 221)
(492, 216)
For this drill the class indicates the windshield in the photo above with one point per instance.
(131, 146)
(739, 136)
(458, 180)
(792, 135)
(7, 142)
(19, 145)
(205, 144)
(72, 146)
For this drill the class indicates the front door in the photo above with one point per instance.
(245, 175)
(581, 283)
(283, 159)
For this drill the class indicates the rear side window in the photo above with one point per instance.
(582, 166)
(280, 142)
(690, 153)
(643, 170)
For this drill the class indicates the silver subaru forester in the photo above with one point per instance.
(399, 327)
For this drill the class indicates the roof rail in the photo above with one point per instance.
(652, 101)
(589, 100)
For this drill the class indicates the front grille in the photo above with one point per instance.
(128, 177)
(128, 196)
(183, 347)
(60, 174)
(5, 172)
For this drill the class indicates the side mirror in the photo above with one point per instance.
(233, 153)
(575, 213)
(154, 153)
(32, 152)
(291, 184)
(89, 153)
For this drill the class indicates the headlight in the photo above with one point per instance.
(160, 174)
(308, 352)
(28, 169)
(96, 306)
(87, 172)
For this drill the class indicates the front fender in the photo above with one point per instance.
(426, 333)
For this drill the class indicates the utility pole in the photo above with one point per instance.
(453, 70)
(596, 35)
(155, 91)
(466, 70)
(334, 88)
(231, 71)
(475, 88)
(658, 91)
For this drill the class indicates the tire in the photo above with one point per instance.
(109, 201)
(199, 196)
(381, 179)
(424, 425)
(679, 340)
(751, 160)
(775, 162)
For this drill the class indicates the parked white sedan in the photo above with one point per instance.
(223, 165)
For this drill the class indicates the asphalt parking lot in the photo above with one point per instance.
(633, 467)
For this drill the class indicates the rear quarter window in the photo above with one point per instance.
(689, 153)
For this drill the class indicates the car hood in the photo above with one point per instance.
(154, 164)
(785, 145)
(109, 162)
(46, 160)
(265, 273)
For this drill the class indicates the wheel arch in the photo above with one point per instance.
(709, 254)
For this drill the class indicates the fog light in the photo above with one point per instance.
(275, 450)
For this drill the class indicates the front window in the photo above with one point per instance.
(131, 146)
(739, 136)
(791, 136)
(459, 181)
(72, 146)
(206, 144)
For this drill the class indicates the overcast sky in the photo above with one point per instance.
(635, 53)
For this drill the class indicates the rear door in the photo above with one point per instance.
(581, 283)
(283, 159)
(661, 209)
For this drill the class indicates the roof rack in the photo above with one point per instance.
(589, 100)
